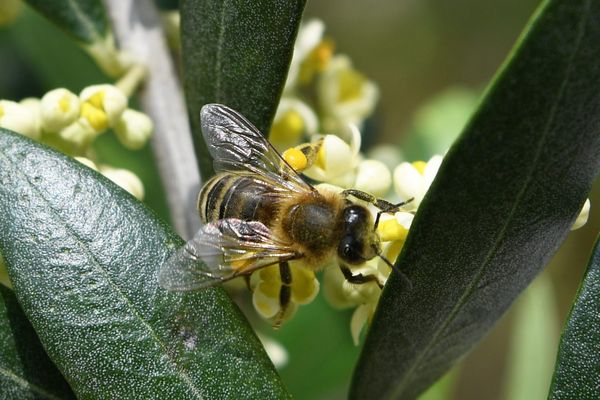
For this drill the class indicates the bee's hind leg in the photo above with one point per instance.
(285, 293)
(359, 278)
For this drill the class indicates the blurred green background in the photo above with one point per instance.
(431, 60)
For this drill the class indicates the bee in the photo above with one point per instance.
(257, 211)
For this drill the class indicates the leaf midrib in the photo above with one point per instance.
(499, 239)
(103, 273)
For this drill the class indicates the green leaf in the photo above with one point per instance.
(236, 53)
(85, 20)
(577, 372)
(83, 257)
(26, 372)
(503, 201)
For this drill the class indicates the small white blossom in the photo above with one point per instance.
(79, 135)
(336, 160)
(104, 98)
(34, 105)
(18, 118)
(412, 180)
(266, 285)
(276, 352)
(293, 120)
(133, 129)
(87, 162)
(345, 95)
(373, 177)
(59, 109)
(309, 36)
(125, 179)
(583, 216)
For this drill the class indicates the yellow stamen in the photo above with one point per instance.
(390, 230)
(95, 116)
(420, 166)
(97, 100)
(351, 84)
(295, 158)
(322, 53)
(1, 111)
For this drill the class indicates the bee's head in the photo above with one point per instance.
(359, 243)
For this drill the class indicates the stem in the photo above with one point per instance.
(139, 33)
(129, 82)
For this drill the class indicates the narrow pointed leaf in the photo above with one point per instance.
(83, 257)
(85, 20)
(26, 372)
(577, 370)
(236, 53)
(503, 201)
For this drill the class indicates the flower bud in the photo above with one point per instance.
(583, 216)
(125, 179)
(133, 129)
(373, 177)
(59, 109)
(18, 118)
(79, 135)
(106, 98)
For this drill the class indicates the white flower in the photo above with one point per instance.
(336, 160)
(412, 180)
(309, 36)
(102, 105)
(79, 135)
(583, 216)
(59, 109)
(133, 129)
(293, 119)
(266, 285)
(87, 162)
(345, 95)
(34, 105)
(125, 179)
(276, 352)
(373, 177)
(18, 118)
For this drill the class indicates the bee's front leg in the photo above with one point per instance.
(359, 278)
(285, 293)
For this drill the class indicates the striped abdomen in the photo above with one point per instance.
(235, 196)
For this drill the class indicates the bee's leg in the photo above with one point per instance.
(358, 278)
(285, 293)
(385, 207)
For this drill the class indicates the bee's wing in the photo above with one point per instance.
(236, 145)
(221, 251)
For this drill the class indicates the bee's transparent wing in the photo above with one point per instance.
(237, 146)
(221, 251)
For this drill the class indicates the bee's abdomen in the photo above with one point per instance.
(234, 196)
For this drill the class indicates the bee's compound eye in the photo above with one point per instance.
(349, 250)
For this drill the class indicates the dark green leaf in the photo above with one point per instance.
(83, 257)
(26, 372)
(503, 201)
(577, 371)
(236, 53)
(85, 20)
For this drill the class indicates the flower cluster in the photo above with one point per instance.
(71, 122)
(318, 129)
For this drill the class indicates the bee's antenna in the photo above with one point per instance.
(402, 275)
